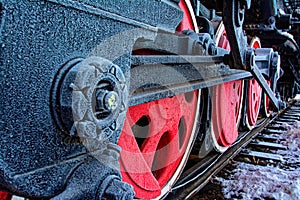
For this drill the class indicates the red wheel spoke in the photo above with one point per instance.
(150, 146)
(167, 157)
(162, 132)
(167, 150)
(134, 163)
(135, 113)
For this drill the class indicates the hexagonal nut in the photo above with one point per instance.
(79, 105)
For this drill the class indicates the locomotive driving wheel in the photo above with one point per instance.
(155, 142)
(254, 94)
(5, 196)
(265, 109)
(157, 136)
(226, 104)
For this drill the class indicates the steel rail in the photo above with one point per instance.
(195, 178)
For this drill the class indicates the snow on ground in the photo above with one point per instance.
(249, 181)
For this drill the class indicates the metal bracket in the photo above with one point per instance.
(233, 17)
(242, 57)
(266, 88)
(271, 61)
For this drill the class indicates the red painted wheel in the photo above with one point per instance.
(226, 104)
(157, 137)
(5, 196)
(254, 100)
(226, 113)
(265, 108)
(254, 94)
(154, 139)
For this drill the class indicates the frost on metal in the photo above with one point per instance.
(248, 181)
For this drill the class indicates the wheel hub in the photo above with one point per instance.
(94, 92)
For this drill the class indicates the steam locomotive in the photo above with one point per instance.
(108, 99)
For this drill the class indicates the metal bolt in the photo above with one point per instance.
(271, 20)
(108, 100)
(111, 100)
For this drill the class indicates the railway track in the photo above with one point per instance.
(258, 147)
